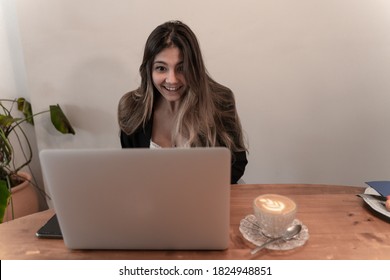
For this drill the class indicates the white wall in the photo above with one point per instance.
(311, 78)
(13, 83)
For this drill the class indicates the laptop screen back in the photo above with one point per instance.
(140, 198)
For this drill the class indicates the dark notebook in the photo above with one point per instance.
(51, 229)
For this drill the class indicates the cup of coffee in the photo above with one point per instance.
(274, 213)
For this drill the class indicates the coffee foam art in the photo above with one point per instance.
(274, 213)
(272, 205)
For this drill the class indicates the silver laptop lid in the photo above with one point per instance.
(140, 198)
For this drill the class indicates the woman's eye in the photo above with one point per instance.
(180, 68)
(160, 68)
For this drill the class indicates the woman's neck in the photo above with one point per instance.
(163, 122)
(167, 107)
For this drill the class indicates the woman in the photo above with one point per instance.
(177, 103)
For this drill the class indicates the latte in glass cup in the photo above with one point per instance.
(274, 213)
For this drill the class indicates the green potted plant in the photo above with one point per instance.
(13, 136)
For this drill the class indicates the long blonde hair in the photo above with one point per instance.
(207, 115)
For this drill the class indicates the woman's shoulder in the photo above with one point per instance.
(128, 103)
(130, 111)
(129, 96)
(222, 95)
(131, 100)
(219, 88)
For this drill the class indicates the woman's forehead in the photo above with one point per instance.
(169, 55)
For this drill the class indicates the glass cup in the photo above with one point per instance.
(274, 213)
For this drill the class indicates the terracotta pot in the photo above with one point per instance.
(24, 200)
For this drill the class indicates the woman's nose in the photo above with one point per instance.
(171, 77)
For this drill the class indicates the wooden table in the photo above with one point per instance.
(340, 225)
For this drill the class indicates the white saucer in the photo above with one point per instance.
(250, 230)
(376, 204)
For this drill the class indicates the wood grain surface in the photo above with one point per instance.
(341, 226)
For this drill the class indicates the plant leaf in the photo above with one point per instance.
(60, 121)
(25, 107)
(6, 121)
(5, 149)
(4, 198)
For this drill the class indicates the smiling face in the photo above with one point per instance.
(167, 74)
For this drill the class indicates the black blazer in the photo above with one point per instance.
(141, 139)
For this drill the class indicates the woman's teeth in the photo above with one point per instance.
(172, 88)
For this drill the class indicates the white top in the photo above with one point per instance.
(154, 145)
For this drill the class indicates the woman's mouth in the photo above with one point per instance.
(172, 88)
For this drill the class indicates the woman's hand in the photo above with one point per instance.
(388, 203)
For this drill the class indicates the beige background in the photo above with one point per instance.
(311, 78)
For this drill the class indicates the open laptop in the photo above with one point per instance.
(146, 199)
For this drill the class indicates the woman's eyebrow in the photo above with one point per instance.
(163, 62)
(158, 61)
